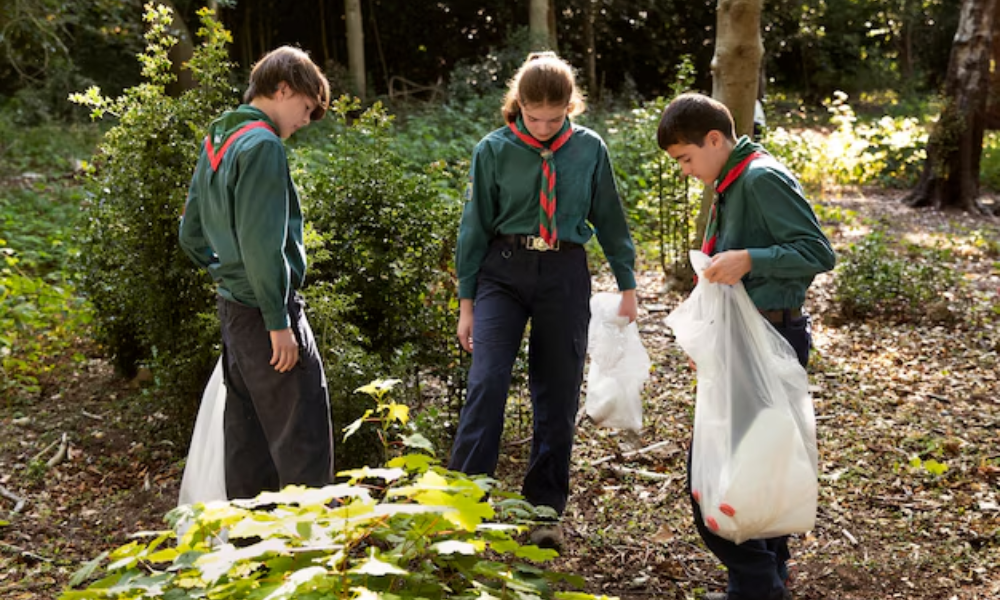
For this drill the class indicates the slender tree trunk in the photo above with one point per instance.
(951, 172)
(180, 54)
(735, 71)
(322, 32)
(590, 37)
(248, 56)
(539, 21)
(993, 96)
(356, 46)
(553, 38)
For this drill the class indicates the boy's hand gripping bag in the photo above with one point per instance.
(204, 477)
(619, 366)
(753, 457)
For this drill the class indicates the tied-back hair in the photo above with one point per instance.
(293, 67)
(688, 119)
(543, 79)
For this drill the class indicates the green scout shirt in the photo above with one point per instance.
(505, 180)
(243, 222)
(765, 211)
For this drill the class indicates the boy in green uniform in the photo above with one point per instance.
(763, 232)
(243, 223)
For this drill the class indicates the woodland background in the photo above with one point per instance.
(107, 334)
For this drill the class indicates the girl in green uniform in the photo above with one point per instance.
(540, 187)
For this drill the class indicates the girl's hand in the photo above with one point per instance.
(465, 323)
(628, 307)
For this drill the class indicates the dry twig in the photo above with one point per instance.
(18, 501)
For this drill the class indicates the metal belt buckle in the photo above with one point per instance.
(537, 243)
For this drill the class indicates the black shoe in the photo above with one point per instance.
(785, 595)
(548, 536)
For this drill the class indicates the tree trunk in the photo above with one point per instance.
(736, 64)
(590, 37)
(322, 33)
(735, 71)
(540, 18)
(954, 148)
(993, 97)
(356, 46)
(180, 54)
(553, 38)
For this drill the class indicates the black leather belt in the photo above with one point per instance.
(782, 316)
(533, 242)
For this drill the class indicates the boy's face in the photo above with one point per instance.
(703, 162)
(290, 111)
(543, 120)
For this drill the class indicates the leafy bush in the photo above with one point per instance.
(874, 279)
(659, 202)
(385, 236)
(487, 76)
(41, 313)
(151, 304)
(887, 151)
(408, 530)
(989, 167)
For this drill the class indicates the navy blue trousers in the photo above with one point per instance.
(277, 425)
(757, 568)
(552, 290)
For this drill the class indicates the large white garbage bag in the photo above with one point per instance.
(619, 366)
(754, 458)
(204, 477)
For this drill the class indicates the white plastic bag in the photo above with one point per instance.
(204, 477)
(619, 365)
(754, 458)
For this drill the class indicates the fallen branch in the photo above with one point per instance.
(45, 451)
(60, 452)
(652, 475)
(25, 553)
(90, 415)
(18, 501)
(631, 453)
(848, 535)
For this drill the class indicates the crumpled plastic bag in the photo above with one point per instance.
(204, 477)
(619, 366)
(753, 456)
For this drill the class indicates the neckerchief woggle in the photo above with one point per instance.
(547, 228)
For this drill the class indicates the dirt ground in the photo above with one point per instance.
(895, 404)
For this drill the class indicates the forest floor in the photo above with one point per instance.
(908, 419)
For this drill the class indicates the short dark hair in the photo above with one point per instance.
(293, 67)
(688, 119)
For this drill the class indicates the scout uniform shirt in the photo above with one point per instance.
(765, 212)
(503, 200)
(243, 220)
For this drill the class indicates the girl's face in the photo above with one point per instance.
(544, 120)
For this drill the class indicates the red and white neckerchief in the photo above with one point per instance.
(547, 228)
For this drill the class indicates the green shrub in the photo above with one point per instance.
(41, 313)
(874, 279)
(660, 204)
(989, 166)
(408, 530)
(151, 304)
(384, 236)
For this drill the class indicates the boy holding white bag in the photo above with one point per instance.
(763, 234)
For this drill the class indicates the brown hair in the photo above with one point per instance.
(293, 67)
(544, 78)
(688, 119)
